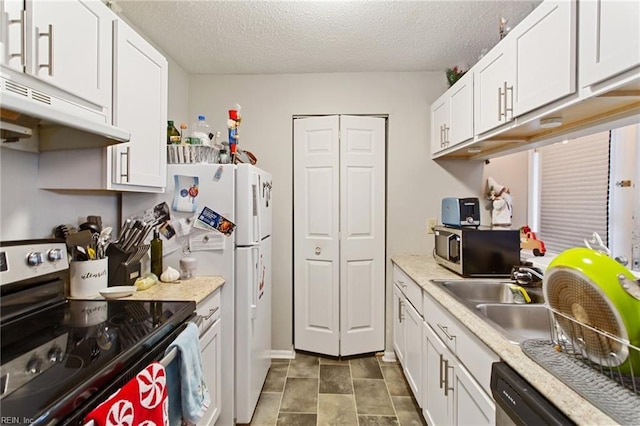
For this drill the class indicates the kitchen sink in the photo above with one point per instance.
(487, 291)
(518, 322)
(495, 302)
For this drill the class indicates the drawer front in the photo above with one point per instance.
(411, 290)
(209, 310)
(442, 323)
(473, 353)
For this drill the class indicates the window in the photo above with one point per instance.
(589, 184)
(574, 191)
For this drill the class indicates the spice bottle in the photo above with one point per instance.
(156, 254)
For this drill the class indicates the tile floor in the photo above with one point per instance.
(312, 390)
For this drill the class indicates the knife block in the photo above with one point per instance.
(122, 272)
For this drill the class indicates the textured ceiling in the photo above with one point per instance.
(265, 37)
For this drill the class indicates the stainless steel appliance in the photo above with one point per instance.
(460, 211)
(477, 252)
(519, 403)
(61, 358)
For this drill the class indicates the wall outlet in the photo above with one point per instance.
(431, 224)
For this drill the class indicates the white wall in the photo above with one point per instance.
(178, 96)
(28, 212)
(415, 184)
(511, 171)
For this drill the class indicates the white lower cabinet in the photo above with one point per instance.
(211, 352)
(437, 405)
(407, 329)
(211, 357)
(413, 350)
(457, 373)
(398, 324)
(447, 367)
(451, 396)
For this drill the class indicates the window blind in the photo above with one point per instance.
(574, 191)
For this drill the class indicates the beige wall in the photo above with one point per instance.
(415, 184)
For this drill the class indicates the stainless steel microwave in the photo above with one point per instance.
(477, 252)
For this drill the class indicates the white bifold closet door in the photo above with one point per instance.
(339, 234)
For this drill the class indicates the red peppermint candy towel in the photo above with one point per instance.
(141, 402)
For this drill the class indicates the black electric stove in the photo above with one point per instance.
(61, 358)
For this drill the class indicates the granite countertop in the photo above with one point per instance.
(196, 289)
(423, 269)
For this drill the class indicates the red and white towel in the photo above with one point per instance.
(140, 402)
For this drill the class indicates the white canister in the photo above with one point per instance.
(88, 278)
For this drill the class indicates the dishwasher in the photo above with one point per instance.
(519, 403)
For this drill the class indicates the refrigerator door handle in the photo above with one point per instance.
(256, 210)
(255, 252)
(259, 210)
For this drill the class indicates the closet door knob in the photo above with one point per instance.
(318, 251)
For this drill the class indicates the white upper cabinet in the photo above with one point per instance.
(66, 44)
(544, 50)
(461, 107)
(440, 123)
(609, 39)
(494, 77)
(452, 115)
(533, 66)
(140, 88)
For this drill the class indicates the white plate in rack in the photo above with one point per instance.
(117, 292)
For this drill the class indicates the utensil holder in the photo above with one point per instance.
(122, 272)
(87, 278)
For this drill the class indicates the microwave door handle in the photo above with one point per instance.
(450, 256)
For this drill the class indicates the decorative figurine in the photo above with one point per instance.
(233, 123)
(503, 30)
(501, 202)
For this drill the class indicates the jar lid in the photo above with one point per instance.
(188, 263)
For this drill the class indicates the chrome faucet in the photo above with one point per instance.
(526, 276)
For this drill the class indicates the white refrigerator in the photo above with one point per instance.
(242, 194)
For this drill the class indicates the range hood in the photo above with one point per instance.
(60, 123)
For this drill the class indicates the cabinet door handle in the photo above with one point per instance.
(400, 316)
(49, 35)
(506, 108)
(446, 134)
(124, 177)
(441, 380)
(211, 312)
(445, 330)
(441, 136)
(500, 113)
(446, 377)
(23, 37)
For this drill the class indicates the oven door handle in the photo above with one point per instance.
(197, 320)
(171, 355)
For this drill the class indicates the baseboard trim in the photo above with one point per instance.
(283, 354)
(389, 356)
